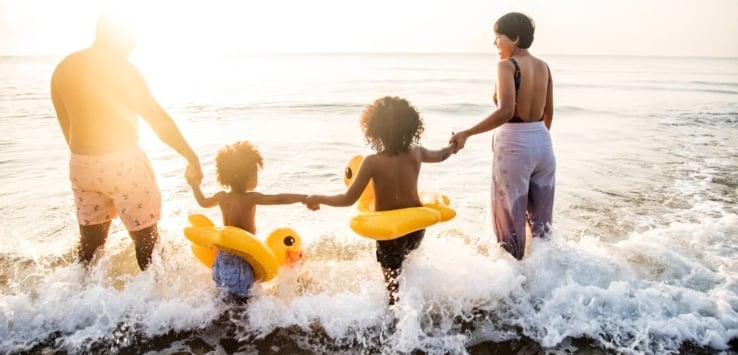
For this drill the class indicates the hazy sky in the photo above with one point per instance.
(623, 27)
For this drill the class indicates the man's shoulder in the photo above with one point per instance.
(75, 56)
(70, 60)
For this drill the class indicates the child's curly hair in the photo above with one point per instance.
(392, 125)
(237, 164)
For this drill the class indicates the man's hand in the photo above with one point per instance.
(193, 175)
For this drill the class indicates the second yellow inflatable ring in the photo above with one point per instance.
(283, 246)
(388, 225)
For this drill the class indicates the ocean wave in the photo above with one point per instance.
(727, 118)
(635, 296)
(641, 87)
(285, 106)
(459, 107)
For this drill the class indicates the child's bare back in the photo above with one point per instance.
(395, 177)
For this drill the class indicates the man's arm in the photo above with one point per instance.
(165, 128)
(61, 110)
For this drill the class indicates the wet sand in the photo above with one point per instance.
(226, 335)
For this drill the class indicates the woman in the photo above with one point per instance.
(523, 168)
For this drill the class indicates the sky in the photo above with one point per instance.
(570, 27)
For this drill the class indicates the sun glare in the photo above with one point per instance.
(179, 42)
(173, 35)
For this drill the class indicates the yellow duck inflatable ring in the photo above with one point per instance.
(388, 225)
(283, 246)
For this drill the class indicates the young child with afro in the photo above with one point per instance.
(392, 127)
(237, 168)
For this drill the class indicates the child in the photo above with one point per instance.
(236, 167)
(392, 127)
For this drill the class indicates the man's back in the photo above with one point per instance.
(98, 95)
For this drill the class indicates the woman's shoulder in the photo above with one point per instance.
(539, 61)
(508, 62)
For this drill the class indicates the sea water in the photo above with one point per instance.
(642, 259)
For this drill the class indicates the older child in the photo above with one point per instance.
(237, 165)
(393, 128)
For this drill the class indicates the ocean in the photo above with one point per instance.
(642, 259)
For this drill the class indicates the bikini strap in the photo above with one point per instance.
(516, 76)
(516, 117)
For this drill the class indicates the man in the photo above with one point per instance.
(98, 96)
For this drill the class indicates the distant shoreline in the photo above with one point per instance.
(544, 55)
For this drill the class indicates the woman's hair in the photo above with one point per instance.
(516, 25)
(237, 164)
(392, 125)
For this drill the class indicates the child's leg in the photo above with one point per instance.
(390, 279)
(391, 254)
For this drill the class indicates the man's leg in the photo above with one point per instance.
(145, 240)
(92, 237)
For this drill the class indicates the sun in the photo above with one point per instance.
(178, 43)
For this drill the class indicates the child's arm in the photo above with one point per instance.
(436, 156)
(351, 195)
(205, 202)
(278, 199)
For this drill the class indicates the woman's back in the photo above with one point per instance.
(530, 98)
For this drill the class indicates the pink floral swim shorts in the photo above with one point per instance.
(119, 184)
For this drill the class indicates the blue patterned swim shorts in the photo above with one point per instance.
(232, 274)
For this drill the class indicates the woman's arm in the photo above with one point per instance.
(548, 110)
(505, 110)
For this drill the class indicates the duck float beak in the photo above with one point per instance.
(293, 257)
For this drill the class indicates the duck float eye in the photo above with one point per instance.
(289, 240)
(348, 173)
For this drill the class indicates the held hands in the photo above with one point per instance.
(312, 202)
(458, 140)
(193, 175)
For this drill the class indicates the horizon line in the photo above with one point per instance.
(235, 53)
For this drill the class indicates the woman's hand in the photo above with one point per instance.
(458, 140)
